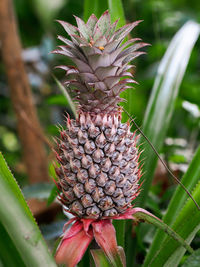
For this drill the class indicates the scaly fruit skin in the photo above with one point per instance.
(98, 172)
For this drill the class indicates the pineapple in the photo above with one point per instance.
(99, 170)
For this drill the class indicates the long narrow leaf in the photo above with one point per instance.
(9, 255)
(96, 7)
(19, 223)
(65, 93)
(165, 90)
(186, 225)
(190, 179)
(117, 12)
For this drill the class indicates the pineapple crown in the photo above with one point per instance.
(101, 60)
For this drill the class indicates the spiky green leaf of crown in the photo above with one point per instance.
(101, 59)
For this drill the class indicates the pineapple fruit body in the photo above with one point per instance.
(99, 170)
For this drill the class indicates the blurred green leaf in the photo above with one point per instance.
(52, 172)
(117, 12)
(10, 141)
(190, 179)
(59, 100)
(52, 196)
(22, 228)
(193, 260)
(54, 190)
(161, 104)
(176, 158)
(47, 10)
(96, 7)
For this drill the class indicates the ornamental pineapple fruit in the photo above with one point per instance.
(99, 169)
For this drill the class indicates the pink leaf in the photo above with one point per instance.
(105, 236)
(73, 245)
(86, 224)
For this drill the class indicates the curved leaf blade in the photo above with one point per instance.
(19, 223)
(170, 253)
(190, 179)
(9, 256)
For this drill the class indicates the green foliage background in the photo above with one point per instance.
(161, 20)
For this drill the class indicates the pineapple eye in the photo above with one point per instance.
(101, 47)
